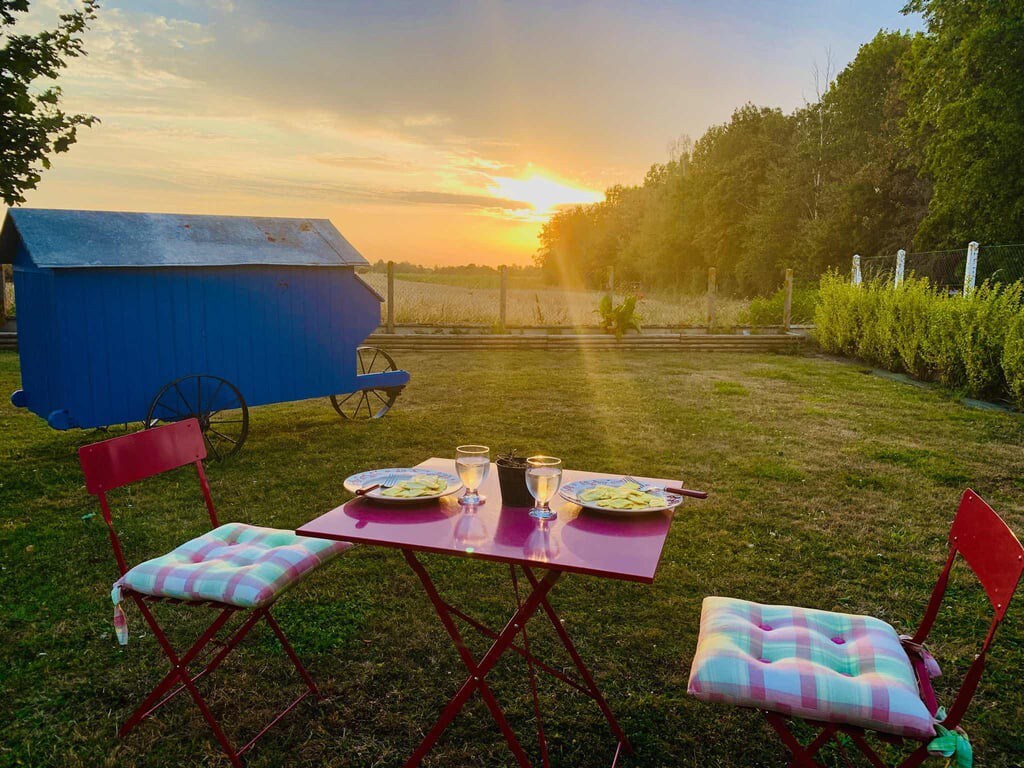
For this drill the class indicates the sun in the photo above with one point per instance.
(542, 193)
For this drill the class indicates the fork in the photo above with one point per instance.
(678, 491)
(389, 480)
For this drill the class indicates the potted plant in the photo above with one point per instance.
(512, 479)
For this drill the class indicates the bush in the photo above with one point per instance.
(768, 310)
(974, 343)
(1013, 359)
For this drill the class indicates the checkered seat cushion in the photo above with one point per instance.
(816, 665)
(236, 564)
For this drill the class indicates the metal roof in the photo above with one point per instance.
(58, 239)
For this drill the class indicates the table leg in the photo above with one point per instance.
(541, 741)
(478, 671)
(595, 692)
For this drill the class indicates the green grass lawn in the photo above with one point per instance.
(830, 488)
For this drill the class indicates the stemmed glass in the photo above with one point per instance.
(543, 476)
(472, 462)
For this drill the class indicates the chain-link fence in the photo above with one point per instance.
(949, 269)
(479, 302)
(7, 307)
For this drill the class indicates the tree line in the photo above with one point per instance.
(918, 143)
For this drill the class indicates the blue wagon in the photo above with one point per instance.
(128, 317)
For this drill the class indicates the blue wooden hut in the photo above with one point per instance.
(131, 316)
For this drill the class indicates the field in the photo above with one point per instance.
(440, 299)
(829, 488)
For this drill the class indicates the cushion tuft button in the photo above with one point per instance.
(838, 640)
(765, 627)
(766, 661)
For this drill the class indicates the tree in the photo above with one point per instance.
(33, 124)
(965, 119)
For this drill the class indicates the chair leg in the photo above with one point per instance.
(803, 757)
(186, 680)
(279, 633)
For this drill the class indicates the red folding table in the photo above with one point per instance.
(577, 541)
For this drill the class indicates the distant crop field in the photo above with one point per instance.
(474, 300)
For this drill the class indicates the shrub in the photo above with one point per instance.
(973, 343)
(835, 325)
(1012, 361)
(768, 310)
(987, 316)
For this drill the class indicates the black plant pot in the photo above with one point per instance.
(512, 480)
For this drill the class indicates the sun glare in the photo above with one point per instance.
(542, 193)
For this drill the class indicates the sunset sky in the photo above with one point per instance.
(437, 132)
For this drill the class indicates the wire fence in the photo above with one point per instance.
(481, 303)
(949, 269)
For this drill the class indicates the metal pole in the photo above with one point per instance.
(712, 286)
(901, 261)
(3, 294)
(787, 307)
(503, 306)
(971, 271)
(391, 297)
(611, 283)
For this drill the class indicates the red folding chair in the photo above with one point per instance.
(853, 675)
(233, 569)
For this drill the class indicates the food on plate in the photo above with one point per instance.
(418, 485)
(623, 496)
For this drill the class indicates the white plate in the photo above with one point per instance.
(363, 479)
(571, 492)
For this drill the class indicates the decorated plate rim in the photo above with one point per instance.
(370, 476)
(570, 492)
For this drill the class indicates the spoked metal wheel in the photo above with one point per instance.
(217, 404)
(368, 403)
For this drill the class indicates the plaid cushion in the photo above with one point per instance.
(237, 564)
(818, 665)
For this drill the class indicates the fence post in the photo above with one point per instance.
(712, 287)
(787, 307)
(611, 283)
(503, 298)
(856, 269)
(971, 270)
(391, 297)
(901, 262)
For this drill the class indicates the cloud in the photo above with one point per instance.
(451, 198)
(364, 163)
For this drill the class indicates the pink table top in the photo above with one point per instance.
(578, 540)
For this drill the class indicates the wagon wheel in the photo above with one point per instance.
(217, 404)
(366, 404)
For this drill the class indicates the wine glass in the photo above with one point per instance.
(472, 462)
(543, 476)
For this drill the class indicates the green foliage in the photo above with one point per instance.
(618, 318)
(915, 143)
(964, 123)
(973, 343)
(34, 125)
(768, 310)
(761, 193)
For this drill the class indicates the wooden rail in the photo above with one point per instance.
(456, 341)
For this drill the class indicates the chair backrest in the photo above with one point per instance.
(126, 459)
(996, 557)
(990, 548)
(129, 458)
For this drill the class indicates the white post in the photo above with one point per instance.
(856, 269)
(901, 260)
(971, 270)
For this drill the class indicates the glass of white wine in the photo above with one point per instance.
(472, 462)
(543, 477)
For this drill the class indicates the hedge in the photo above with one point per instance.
(972, 344)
